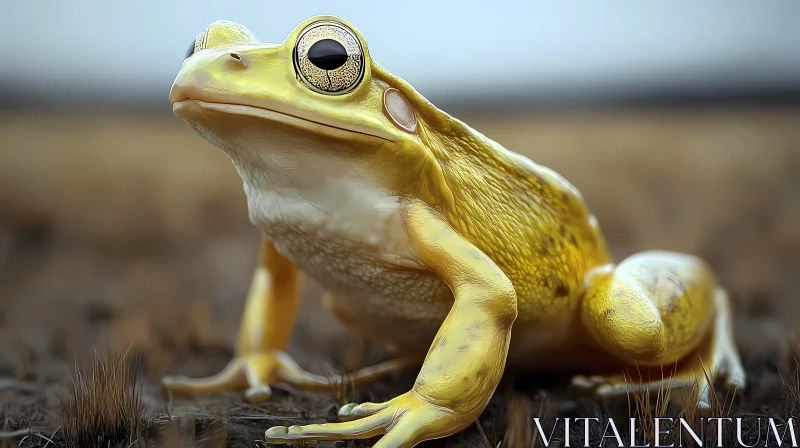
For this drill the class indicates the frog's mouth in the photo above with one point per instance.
(187, 107)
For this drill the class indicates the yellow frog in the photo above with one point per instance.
(431, 239)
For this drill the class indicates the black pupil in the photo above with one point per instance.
(327, 54)
(190, 51)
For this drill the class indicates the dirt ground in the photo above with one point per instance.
(129, 233)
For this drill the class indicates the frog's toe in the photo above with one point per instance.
(703, 401)
(735, 381)
(257, 371)
(231, 377)
(258, 393)
(253, 372)
(625, 386)
(699, 389)
(353, 411)
(589, 384)
(582, 383)
(690, 388)
(364, 428)
(732, 373)
(403, 421)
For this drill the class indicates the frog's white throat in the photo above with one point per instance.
(312, 195)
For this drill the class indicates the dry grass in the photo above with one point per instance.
(719, 408)
(519, 431)
(544, 411)
(691, 414)
(646, 406)
(189, 433)
(645, 409)
(792, 385)
(106, 407)
(343, 387)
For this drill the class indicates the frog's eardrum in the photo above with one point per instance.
(399, 110)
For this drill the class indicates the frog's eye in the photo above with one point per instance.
(328, 58)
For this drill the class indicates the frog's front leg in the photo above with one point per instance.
(267, 323)
(465, 361)
(662, 314)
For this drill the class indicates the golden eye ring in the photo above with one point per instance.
(328, 58)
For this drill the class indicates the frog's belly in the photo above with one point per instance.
(404, 316)
(398, 305)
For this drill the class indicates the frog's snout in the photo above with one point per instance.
(200, 76)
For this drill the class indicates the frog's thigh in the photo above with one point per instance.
(662, 309)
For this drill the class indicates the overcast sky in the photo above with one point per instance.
(134, 48)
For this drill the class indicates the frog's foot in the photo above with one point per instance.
(405, 420)
(689, 386)
(256, 372)
(691, 380)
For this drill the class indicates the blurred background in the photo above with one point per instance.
(119, 226)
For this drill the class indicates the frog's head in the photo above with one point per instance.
(317, 92)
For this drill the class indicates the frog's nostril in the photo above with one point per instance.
(238, 58)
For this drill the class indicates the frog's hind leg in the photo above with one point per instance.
(663, 316)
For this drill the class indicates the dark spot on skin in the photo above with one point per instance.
(572, 240)
(676, 280)
(551, 240)
(463, 347)
(565, 196)
(562, 290)
(442, 342)
(562, 230)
